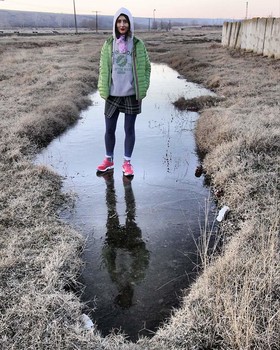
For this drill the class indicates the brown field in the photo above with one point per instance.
(234, 304)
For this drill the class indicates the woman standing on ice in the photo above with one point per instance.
(124, 78)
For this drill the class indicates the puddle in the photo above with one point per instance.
(140, 250)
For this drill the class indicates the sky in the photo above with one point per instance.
(230, 9)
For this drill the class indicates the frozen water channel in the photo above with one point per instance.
(140, 249)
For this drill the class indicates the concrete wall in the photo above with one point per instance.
(260, 35)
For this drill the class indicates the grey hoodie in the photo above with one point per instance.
(122, 74)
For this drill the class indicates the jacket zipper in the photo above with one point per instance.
(135, 76)
(111, 66)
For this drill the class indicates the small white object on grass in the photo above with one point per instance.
(87, 322)
(222, 213)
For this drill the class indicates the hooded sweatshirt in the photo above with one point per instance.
(122, 74)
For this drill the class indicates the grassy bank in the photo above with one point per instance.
(235, 303)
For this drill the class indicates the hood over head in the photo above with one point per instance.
(126, 12)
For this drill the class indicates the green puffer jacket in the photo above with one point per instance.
(141, 68)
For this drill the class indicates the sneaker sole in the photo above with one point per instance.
(103, 171)
(127, 174)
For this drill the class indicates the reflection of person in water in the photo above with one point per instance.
(124, 251)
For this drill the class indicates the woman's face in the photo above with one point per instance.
(122, 25)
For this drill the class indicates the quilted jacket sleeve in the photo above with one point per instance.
(143, 68)
(105, 67)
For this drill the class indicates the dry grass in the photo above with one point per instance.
(196, 104)
(235, 303)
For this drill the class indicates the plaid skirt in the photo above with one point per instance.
(125, 104)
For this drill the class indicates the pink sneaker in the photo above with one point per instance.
(127, 168)
(106, 165)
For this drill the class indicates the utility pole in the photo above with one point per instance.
(246, 14)
(75, 17)
(96, 21)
